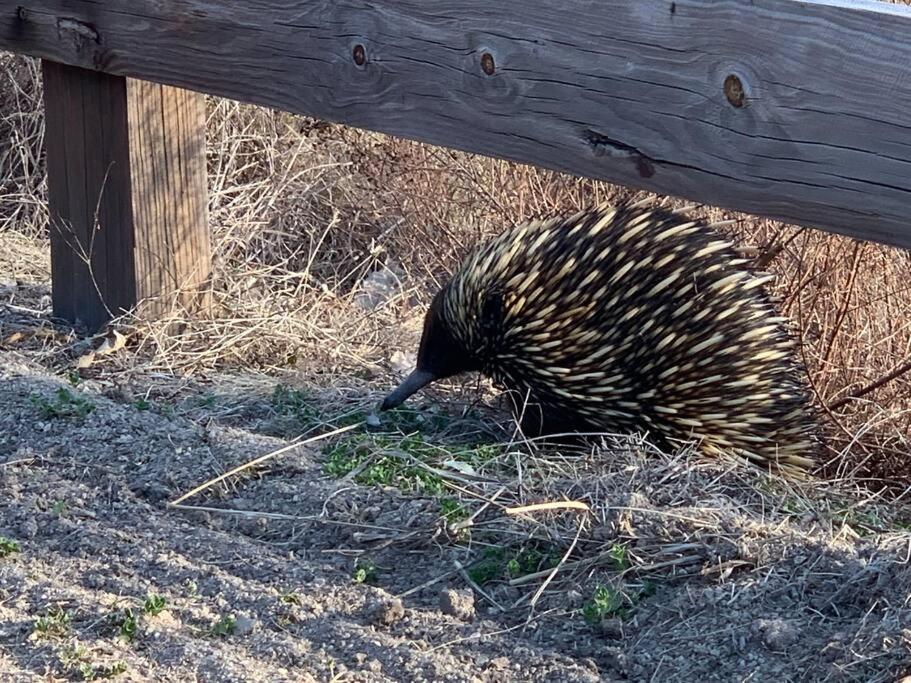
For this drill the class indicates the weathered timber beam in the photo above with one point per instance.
(127, 195)
(797, 110)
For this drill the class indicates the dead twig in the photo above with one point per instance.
(258, 461)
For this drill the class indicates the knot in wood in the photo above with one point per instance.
(487, 64)
(359, 54)
(733, 90)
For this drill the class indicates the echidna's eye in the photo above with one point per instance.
(490, 321)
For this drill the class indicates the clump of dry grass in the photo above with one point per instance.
(304, 212)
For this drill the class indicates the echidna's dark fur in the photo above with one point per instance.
(624, 319)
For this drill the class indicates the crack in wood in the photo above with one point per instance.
(81, 31)
(607, 146)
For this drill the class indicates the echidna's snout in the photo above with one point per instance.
(439, 356)
(417, 380)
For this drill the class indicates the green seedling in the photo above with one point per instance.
(54, 624)
(225, 626)
(72, 656)
(94, 672)
(129, 625)
(364, 572)
(604, 603)
(298, 404)
(64, 404)
(340, 461)
(154, 605)
(532, 559)
(385, 462)
(452, 511)
(620, 556)
(490, 567)
(8, 546)
(406, 421)
(291, 598)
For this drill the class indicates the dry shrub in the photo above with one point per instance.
(23, 185)
(302, 212)
(291, 246)
(852, 304)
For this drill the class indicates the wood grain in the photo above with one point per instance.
(169, 190)
(89, 194)
(127, 194)
(794, 110)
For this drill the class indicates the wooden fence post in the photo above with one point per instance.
(127, 194)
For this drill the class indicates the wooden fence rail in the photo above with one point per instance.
(797, 110)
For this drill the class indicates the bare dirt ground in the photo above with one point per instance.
(340, 561)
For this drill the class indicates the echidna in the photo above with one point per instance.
(625, 319)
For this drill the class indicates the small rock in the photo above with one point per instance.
(574, 598)
(379, 286)
(615, 659)
(498, 663)
(244, 625)
(155, 491)
(385, 611)
(161, 625)
(590, 664)
(778, 634)
(612, 628)
(458, 603)
(402, 363)
(29, 527)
